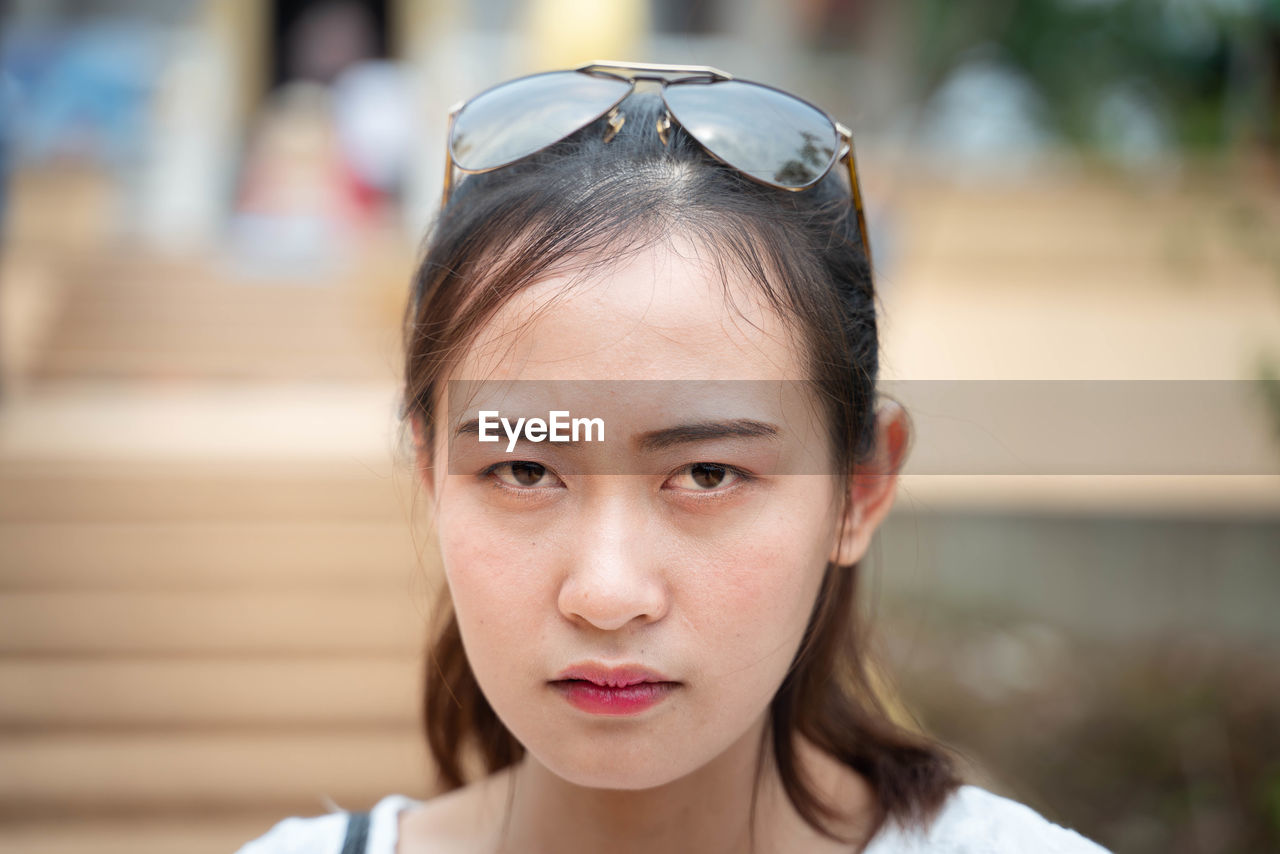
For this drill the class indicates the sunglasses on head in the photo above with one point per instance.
(770, 136)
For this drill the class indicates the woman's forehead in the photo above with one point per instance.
(665, 312)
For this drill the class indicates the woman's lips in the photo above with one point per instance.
(611, 676)
(598, 700)
(603, 690)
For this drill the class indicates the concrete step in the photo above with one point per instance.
(247, 623)
(60, 775)
(198, 555)
(180, 492)
(193, 694)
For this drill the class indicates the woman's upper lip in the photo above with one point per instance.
(616, 676)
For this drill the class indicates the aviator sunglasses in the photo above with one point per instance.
(770, 136)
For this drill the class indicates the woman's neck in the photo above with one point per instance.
(707, 812)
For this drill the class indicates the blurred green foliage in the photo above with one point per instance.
(1209, 67)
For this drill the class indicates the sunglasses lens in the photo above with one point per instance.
(515, 119)
(770, 135)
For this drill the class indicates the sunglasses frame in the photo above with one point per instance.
(633, 72)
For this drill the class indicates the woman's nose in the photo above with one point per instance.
(612, 577)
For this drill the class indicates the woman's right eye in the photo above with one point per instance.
(523, 474)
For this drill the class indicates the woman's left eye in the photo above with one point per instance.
(706, 477)
(523, 474)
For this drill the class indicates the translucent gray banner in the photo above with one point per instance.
(971, 427)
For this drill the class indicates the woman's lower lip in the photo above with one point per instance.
(599, 700)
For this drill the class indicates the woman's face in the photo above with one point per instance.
(691, 542)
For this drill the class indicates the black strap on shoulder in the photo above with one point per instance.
(357, 833)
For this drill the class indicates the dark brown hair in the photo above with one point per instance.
(584, 201)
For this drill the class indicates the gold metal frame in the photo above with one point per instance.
(634, 71)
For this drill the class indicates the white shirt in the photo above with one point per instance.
(973, 821)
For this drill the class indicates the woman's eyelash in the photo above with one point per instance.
(741, 477)
(490, 475)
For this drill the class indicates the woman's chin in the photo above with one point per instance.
(618, 779)
(600, 771)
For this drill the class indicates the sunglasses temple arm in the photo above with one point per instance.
(448, 159)
(856, 191)
(448, 180)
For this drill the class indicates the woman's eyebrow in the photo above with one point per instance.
(679, 434)
(702, 431)
(468, 428)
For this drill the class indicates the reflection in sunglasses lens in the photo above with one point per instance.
(516, 119)
(770, 135)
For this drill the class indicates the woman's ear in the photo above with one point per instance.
(873, 485)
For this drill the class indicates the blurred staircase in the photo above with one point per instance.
(211, 609)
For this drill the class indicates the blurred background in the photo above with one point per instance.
(213, 580)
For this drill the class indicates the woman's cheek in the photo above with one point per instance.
(753, 603)
(488, 571)
(769, 572)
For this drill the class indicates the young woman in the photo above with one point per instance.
(640, 376)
